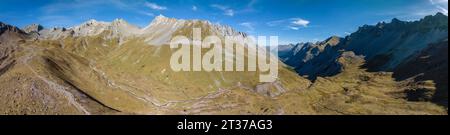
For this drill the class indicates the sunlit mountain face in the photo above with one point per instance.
(215, 57)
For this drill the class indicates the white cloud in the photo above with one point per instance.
(155, 6)
(248, 25)
(300, 22)
(226, 10)
(250, 6)
(443, 10)
(229, 12)
(252, 3)
(438, 1)
(291, 23)
(194, 8)
(147, 13)
(293, 27)
(441, 5)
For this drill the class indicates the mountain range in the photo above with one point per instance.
(408, 49)
(118, 68)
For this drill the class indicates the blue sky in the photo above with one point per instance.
(292, 20)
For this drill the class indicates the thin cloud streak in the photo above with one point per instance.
(441, 5)
(225, 9)
(291, 23)
(155, 6)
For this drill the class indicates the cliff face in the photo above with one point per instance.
(429, 64)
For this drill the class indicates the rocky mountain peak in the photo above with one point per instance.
(333, 40)
(123, 24)
(163, 19)
(437, 16)
(92, 22)
(5, 27)
(33, 28)
(162, 28)
(439, 20)
(119, 21)
(395, 20)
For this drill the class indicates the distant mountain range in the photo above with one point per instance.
(416, 49)
(114, 67)
(117, 68)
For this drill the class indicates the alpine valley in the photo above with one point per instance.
(115, 67)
